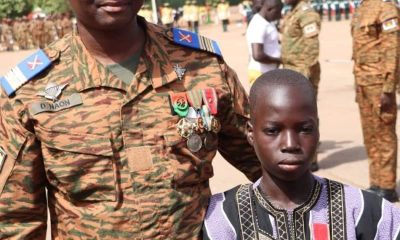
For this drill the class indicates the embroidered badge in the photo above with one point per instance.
(71, 101)
(192, 40)
(179, 71)
(52, 91)
(390, 25)
(310, 29)
(24, 71)
(3, 156)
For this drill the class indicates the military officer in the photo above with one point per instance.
(119, 121)
(375, 29)
(223, 14)
(300, 45)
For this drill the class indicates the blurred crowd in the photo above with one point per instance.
(25, 33)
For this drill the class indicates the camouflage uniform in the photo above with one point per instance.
(375, 53)
(300, 44)
(115, 166)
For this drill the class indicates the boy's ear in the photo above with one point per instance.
(250, 138)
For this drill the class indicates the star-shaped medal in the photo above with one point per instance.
(179, 71)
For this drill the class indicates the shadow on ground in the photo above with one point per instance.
(346, 155)
(330, 145)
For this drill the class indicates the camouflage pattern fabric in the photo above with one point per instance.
(300, 45)
(115, 166)
(374, 28)
(379, 130)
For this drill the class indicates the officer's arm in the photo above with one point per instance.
(23, 208)
(390, 46)
(310, 25)
(234, 112)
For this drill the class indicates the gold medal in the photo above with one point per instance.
(185, 127)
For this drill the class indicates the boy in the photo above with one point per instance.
(289, 202)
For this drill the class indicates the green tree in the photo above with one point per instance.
(14, 8)
(53, 6)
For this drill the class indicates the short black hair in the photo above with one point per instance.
(281, 78)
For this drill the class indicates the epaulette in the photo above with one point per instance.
(195, 41)
(24, 72)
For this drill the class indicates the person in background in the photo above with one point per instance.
(376, 48)
(263, 39)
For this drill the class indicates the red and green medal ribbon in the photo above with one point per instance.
(180, 103)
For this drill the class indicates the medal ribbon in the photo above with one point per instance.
(320, 231)
(179, 103)
(211, 100)
(195, 99)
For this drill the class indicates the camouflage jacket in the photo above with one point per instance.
(300, 45)
(375, 30)
(109, 154)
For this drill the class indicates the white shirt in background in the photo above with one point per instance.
(264, 32)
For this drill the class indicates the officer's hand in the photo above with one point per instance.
(387, 100)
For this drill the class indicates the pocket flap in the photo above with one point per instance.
(75, 142)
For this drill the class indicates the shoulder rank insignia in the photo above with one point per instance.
(24, 71)
(192, 40)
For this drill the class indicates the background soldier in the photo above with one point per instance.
(223, 14)
(376, 54)
(194, 16)
(300, 44)
(187, 12)
(167, 16)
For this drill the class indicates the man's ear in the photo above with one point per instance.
(250, 138)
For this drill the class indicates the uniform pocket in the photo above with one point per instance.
(79, 165)
(189, 168)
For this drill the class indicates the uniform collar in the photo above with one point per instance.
(155, 67)
(300, 6)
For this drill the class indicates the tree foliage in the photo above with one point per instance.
(52, 6)
(14, 8)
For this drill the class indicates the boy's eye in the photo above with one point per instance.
(307, 129)
(271, 131)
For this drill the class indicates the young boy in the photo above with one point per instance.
(289, 202)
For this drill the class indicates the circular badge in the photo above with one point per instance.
(194, 143)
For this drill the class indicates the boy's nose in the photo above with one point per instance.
(290, 142)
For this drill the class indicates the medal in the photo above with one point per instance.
(200, 125)
(205, 114)
(215, 125)
(185, 127)
(194, 143)
(211, 100)
(180, 103)
(192, 114)
(195, 99)
(210, 141)
(179, 71)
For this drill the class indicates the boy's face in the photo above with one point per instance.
(284, 132)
